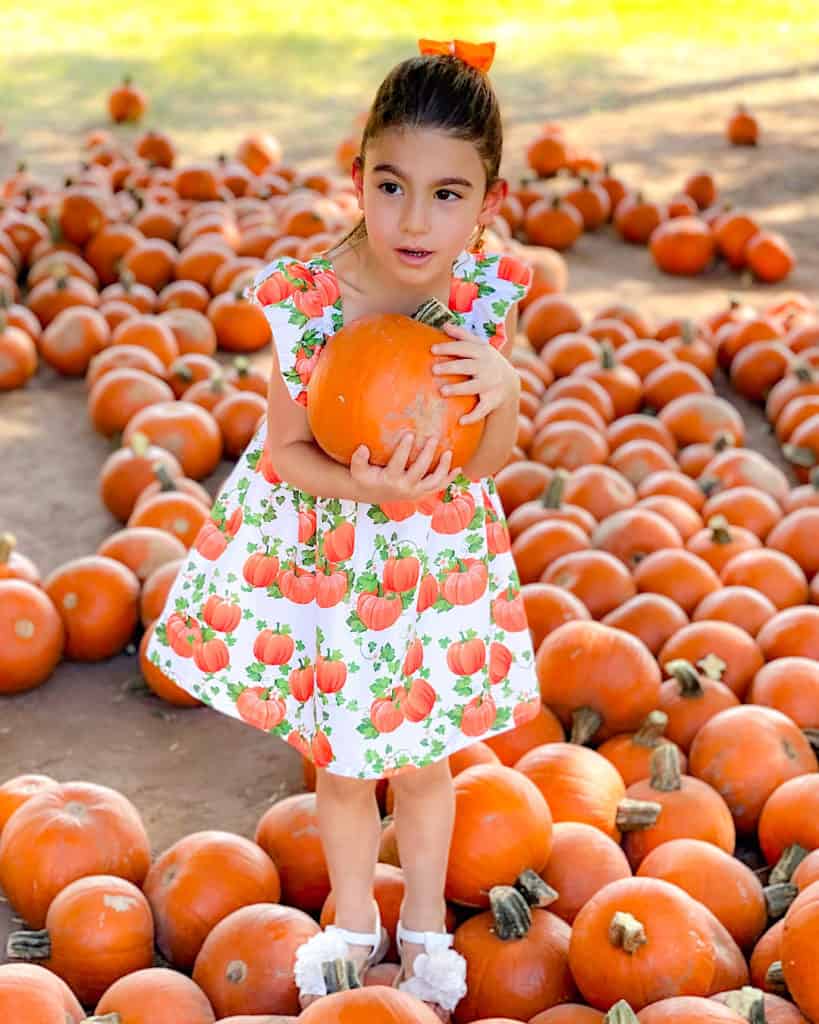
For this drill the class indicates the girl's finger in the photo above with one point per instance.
(422, 463)
(480, 411)
(464, 387)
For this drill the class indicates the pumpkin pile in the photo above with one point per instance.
(646, 848)
(686, 234)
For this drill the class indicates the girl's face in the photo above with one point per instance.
(423, 192)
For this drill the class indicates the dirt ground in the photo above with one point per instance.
(196, 769)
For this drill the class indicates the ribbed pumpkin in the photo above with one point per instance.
(198, 881)
(691, 809)
(730, 890)
(642, 939)
(374, 381)
(502, 826)
(600, 677)
(517, 959)
(15, 791)
(745, 753)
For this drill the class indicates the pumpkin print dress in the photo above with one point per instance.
(372, 638)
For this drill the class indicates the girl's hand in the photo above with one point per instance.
(491, 376)
(396, 482)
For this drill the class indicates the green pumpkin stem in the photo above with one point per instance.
(534, 890)
(340, 975)
(778, 898)
(800, 456)
(775, 979)
(790, 860)
(104, 1018)
(720, 530)
(636, 814)
(552, 496)
(621, 1013)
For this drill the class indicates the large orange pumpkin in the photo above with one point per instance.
(288, 832)
(502, 826)
(799, 942)
(97, 930)
(600, 674)
(375, 1004)
(156, 995)
(68, 832)
(32, 994)
(32, 636)
(516, 959)
(198, 881)
(374, 381)
(246, 963)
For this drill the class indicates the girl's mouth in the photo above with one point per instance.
(414, 255)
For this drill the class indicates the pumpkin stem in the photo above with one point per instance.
(713, 666)
(621, 1013)
(686, 675)
(688, 331)
(775, 979)
(665, 769)
(814, 478)
(607, 357)
(779, 897)
(552, 496)
(340, 975)
(29, 945)
(651, 731)
(803, 372)
(166, 481)
(104, 1018)
(720, 530)
(799, 456)
(433, 313)
(723, 440)
(534, 890)
(585, 723)
(140, 443)
(511, 912)
(790, 860)
(8, 542)
(626, 932)
(242, 365)
(183, 372)
(748, 1002)
(708, 485)
(812, 736)
(635, 814)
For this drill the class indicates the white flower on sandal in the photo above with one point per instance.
(438, 977)
(326, 945)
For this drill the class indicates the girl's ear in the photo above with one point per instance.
(493, 200)
(357, 174)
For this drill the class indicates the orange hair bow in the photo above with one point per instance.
(479, 55)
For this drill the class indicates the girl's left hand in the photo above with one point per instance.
(490, 375)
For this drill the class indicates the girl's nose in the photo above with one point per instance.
(414, 219)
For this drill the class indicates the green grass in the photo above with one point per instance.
(214, 70)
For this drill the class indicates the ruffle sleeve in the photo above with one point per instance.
(293, 302)
(501, 280)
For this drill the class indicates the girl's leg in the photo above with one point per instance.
(350, 830)
(424, 816)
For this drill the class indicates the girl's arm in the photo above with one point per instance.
(501, 425)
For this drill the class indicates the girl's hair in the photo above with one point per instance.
(440, 92)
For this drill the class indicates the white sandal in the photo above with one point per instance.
(439, 973)
(315, 956)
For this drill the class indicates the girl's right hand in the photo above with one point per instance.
(396, 482)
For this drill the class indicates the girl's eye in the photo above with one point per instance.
(395, 185)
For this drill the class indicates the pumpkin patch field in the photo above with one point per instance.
(658, 851)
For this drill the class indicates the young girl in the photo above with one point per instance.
(370, 616)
